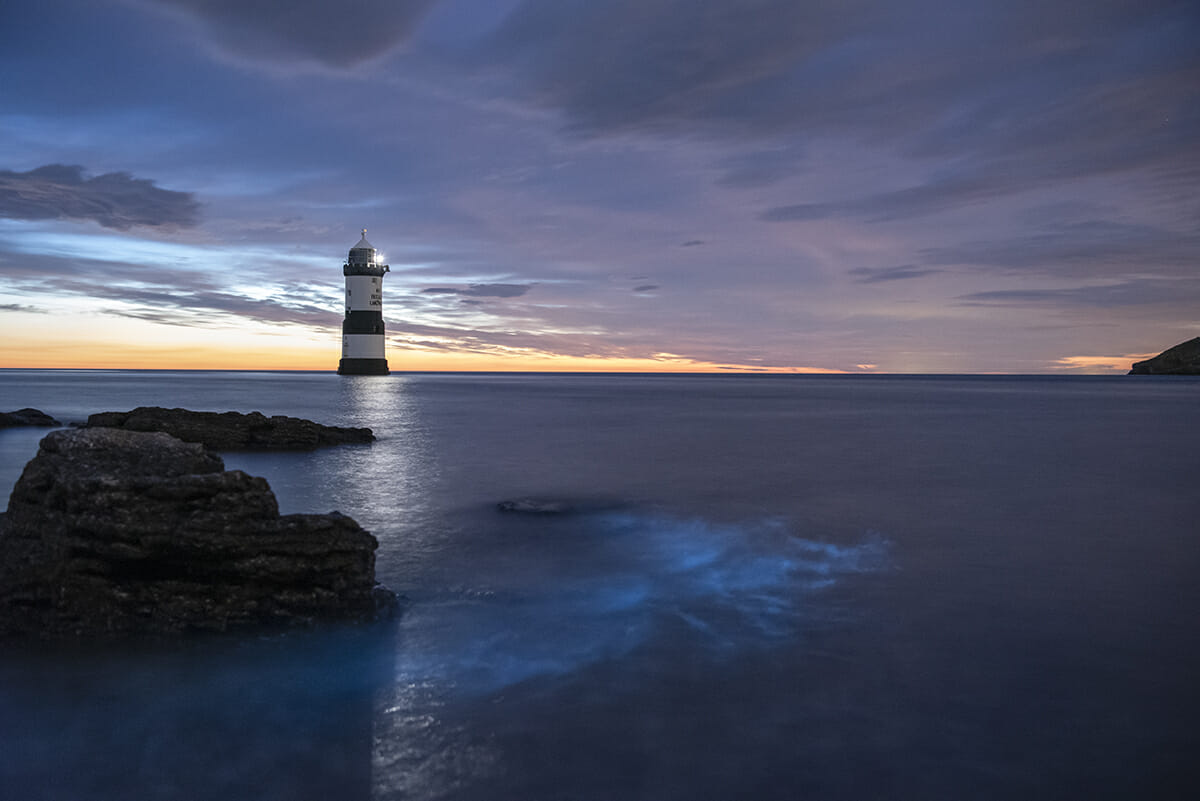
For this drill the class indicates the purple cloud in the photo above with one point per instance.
(482, 290)
(334, 34)
(114, 200)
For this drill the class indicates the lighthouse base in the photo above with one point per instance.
(363, 367)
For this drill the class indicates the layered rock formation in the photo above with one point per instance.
(26, 417)
(232, 430)
(1183, 359)
(111, 532)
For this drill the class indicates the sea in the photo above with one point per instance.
(737, 587)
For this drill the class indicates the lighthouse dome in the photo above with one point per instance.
(363, 252)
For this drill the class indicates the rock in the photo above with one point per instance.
(1183, 359)
(232, 430)
(26, 417)
(122, 532)
(534, 506)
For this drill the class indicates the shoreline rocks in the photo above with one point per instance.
(112, 532)
(1183, 359)
(27, 417)
(232, 430)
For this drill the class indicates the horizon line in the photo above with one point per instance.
(742, 373)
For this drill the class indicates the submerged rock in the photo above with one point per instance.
(112, 532)
(226, 431)
(534, 506)
(1183, 359)
(26, 417)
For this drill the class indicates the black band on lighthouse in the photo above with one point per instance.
(363, 322)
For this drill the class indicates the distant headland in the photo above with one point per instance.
(1183, 359)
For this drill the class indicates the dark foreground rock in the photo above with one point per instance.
(224, 431)
(116, 532)
(1183, 359)
(26, 417)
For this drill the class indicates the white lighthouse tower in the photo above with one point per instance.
(362, 330)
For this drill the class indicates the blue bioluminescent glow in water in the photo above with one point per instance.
(743, 587)
(610, 582)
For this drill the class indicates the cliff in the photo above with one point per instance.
(1183, 359)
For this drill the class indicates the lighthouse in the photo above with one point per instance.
(362, 330)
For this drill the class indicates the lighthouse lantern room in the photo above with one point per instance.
(362, 330)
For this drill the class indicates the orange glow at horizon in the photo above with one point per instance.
(1101, 364)
(323, 357)
(127, 345)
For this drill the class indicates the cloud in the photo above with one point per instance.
(876, 275)
(193, 307)
(1083, 248)
(646, 288)
(1134, 292)
(763, 64)
(1099, 364)
(798, 212)
(996, 99)
(114, 200)
(691, 243)
(167, 295)
(332, 34)
(481, 340)
(949, 190)
(629, 64)
(482, 290)
(761, 167)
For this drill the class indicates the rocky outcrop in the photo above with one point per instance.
(118, 532)
(224, 431)
(1183, 359)
(26, 417)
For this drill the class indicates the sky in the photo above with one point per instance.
(892, 186)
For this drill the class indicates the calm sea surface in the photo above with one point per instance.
(766, 588)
